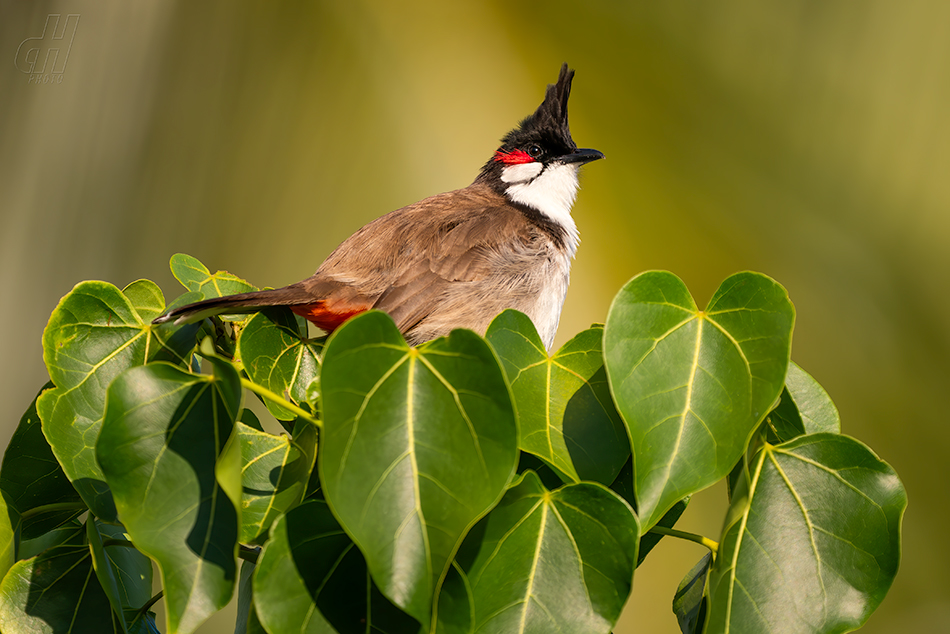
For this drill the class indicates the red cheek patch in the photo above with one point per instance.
(515, 157)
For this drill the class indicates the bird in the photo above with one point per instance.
(459, 258)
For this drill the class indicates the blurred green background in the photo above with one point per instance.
(806, 140)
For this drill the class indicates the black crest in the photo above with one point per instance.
(549, 122)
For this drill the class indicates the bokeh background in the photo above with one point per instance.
(808, 140)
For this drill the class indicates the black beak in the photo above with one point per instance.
(581, 156)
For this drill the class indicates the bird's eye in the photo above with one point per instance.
(535, 150)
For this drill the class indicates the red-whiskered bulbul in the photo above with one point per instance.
(457, 259)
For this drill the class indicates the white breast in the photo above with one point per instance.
(551, 190)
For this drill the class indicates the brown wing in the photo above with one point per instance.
(439, 264)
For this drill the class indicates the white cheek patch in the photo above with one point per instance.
(521, 172)
(552, 193)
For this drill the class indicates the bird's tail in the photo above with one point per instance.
(235, 304)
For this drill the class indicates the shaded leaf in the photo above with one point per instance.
(693, 385)
(164, 433)
(559, 561)
(306, 576)
(417, 444)
(456, 605)
(566, 414)
(56, 591)
(93, 335)
(32, 477)
(105, 572)
(247, 621)
(811, 542)
(144, 624)
(250, 419)
(9, 533)
(689, 602)
(277, 353)
(623, 486)
(72, 533)
(133, 570)
(275, 473)
(550, 478)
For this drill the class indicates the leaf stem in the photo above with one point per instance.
(280, 400)
(52, 508)
(142, 611)
(693, 537)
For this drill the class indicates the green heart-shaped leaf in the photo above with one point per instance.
(32, 478)
(305, 578)
(277, 354)
(559, 561)
(146, 297)
(565, 411)
(164, 433)
(693, 385)
(196, 277)
(811, 542)
(93, 335)
(275, 473)
(418, 443)
(56, 591)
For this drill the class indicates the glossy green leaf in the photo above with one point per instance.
(164, 432)
(817, 410)
(306, 577)
(693, 385)
(56, 591)
(32, 478)
(689, 602)
(805, 408)
(277, 353)
(558, 561)
(565, 411)
(196, 277)
(147, 299)
(812, 540)
(93, 335)
(418, 443)
(275, 473)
